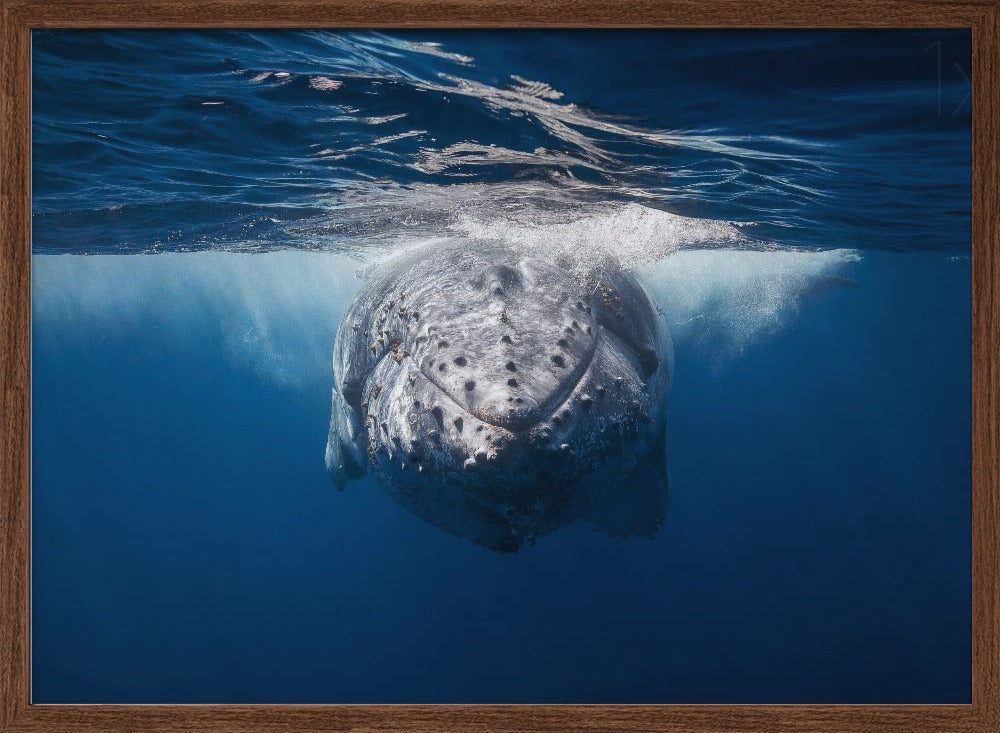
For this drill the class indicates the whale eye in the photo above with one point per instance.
(558, 361)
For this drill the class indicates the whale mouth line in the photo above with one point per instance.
(546, 408)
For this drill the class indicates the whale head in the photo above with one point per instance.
(497, 394)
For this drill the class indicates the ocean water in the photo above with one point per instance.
(797, 202)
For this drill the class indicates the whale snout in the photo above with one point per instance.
(524, 376)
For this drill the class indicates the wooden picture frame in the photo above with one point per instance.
(19, 17)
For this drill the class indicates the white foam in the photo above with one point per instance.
(637, 235)
(572, 220)
(275, 314)
(724, 300)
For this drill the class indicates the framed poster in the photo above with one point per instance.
(453, 366)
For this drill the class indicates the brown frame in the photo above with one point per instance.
(20, 16)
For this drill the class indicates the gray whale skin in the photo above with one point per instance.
(499, 397)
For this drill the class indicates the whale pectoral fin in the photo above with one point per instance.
(634, 503)
(344, 458)
(340, 463)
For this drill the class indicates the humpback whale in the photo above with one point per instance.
(500, 395)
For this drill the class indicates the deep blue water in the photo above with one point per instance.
(798, 202)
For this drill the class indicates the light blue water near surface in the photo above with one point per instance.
(798, 203)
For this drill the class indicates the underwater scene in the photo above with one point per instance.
(501, 366)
